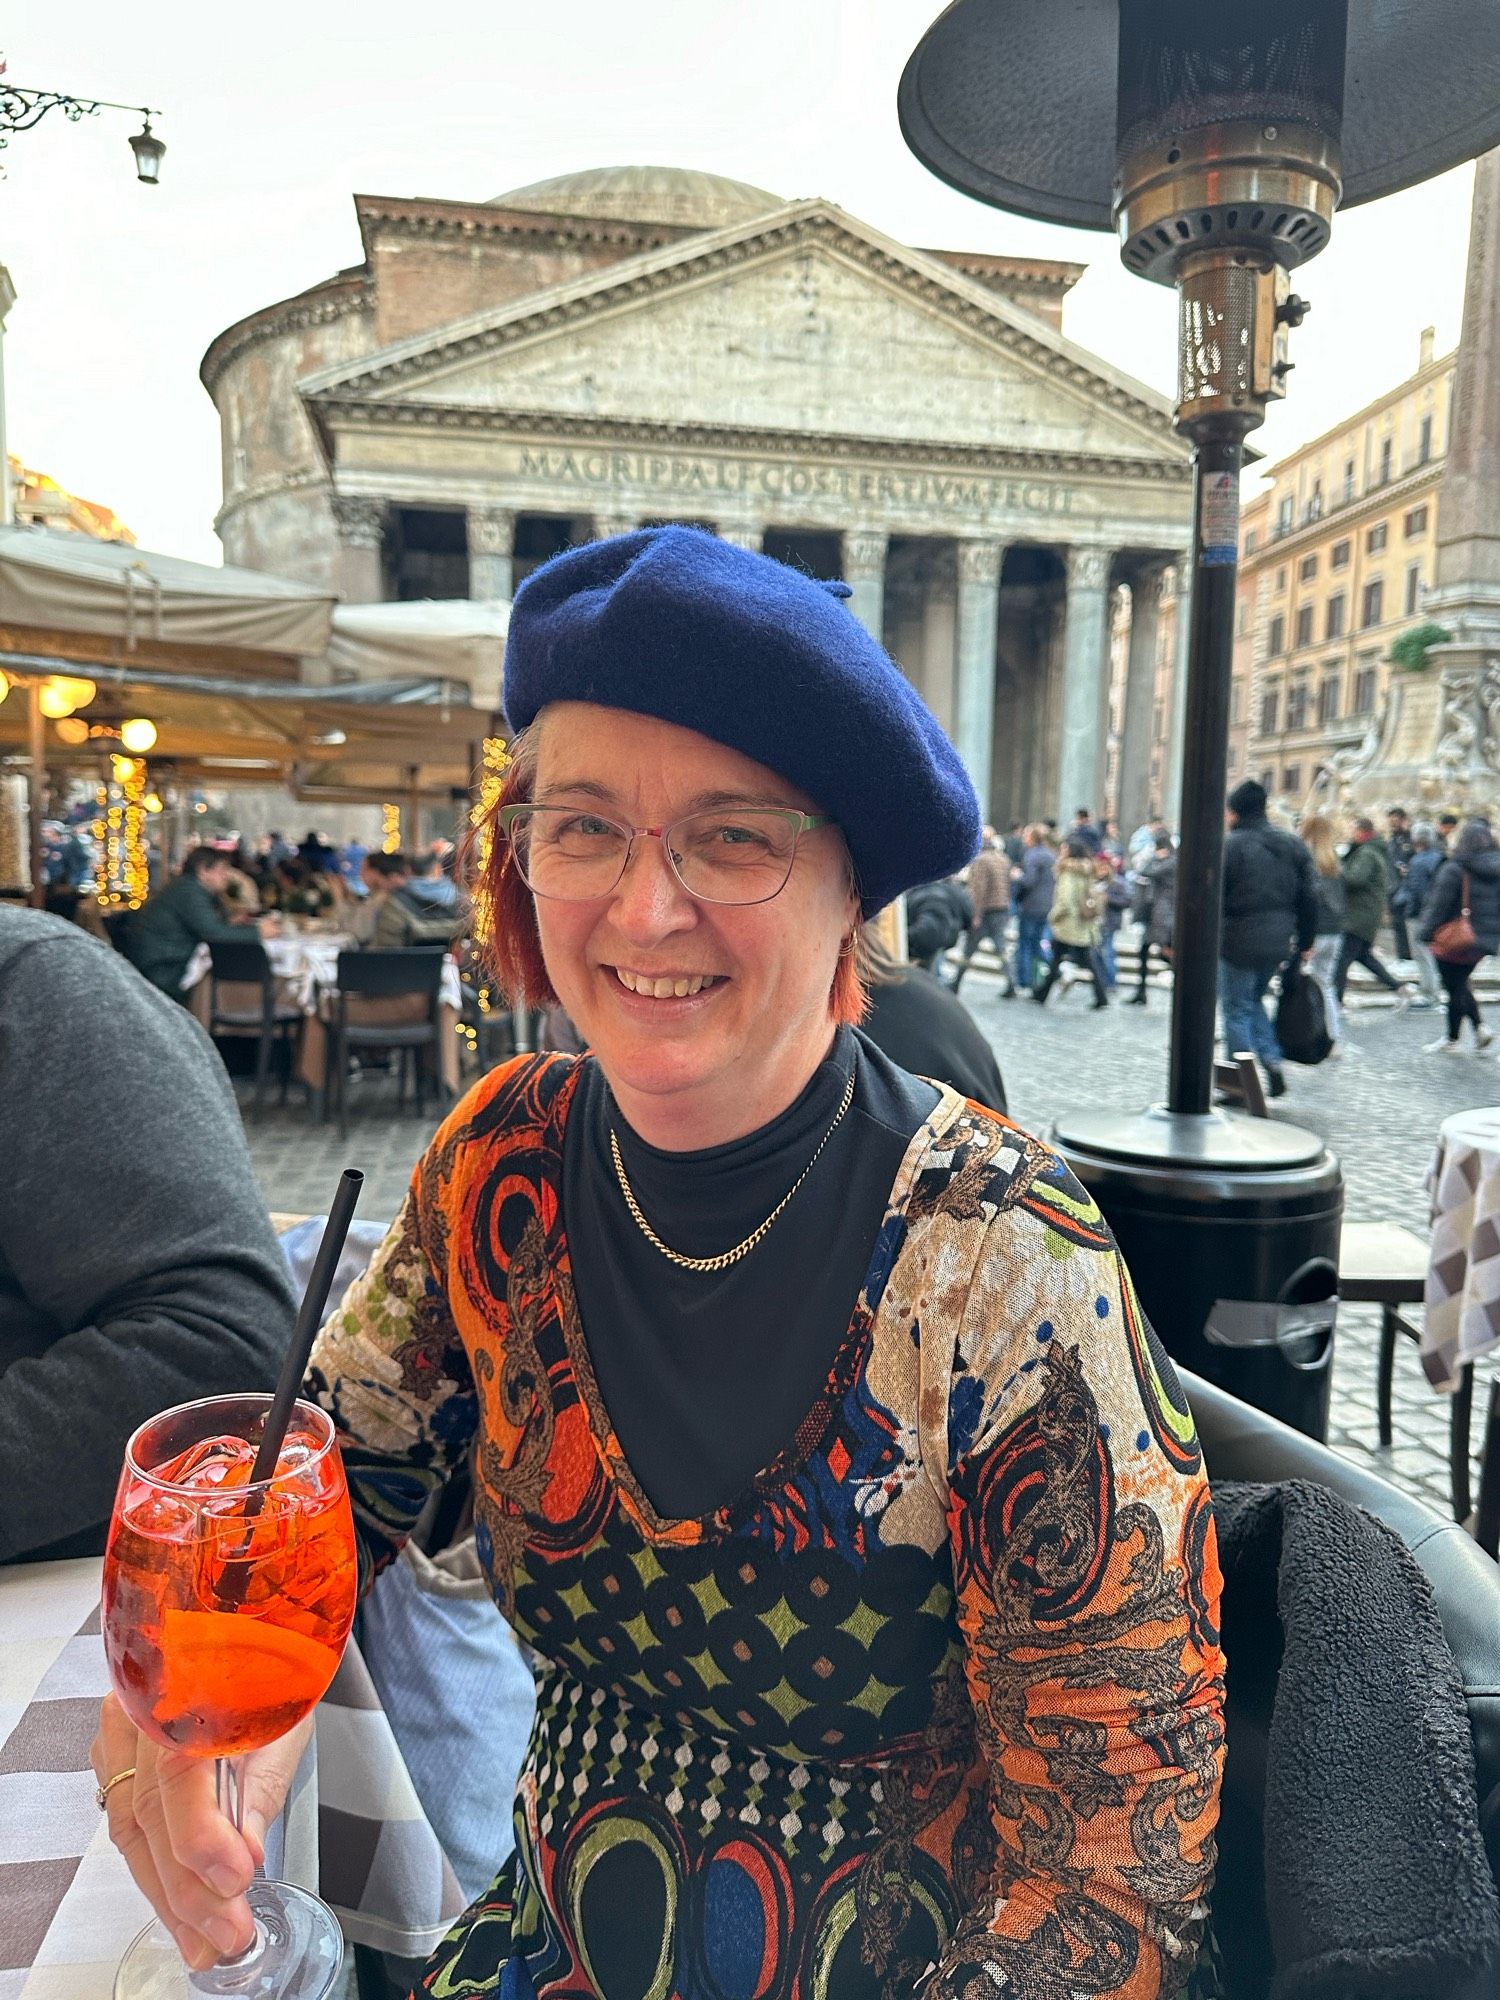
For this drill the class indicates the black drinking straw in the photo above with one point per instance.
(236, 1573)
(309, 1319)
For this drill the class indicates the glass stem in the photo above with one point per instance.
(229, 1790)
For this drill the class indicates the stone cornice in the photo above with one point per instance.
(384, 215)
(963, 301)
(346, 292)
(1039, 274)
(333, 412)
(1419, 483)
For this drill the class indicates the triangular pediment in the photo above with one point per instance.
(803, 321)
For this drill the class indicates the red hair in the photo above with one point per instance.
(505, 927)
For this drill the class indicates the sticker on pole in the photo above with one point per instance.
(1218, 520)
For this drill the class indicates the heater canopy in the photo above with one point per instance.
(1016, 102)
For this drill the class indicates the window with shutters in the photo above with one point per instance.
(1307, 569)
(1276, 637)
(1413, 589)
(1339, 558)
(1297, 698)
(1364, 691)
(1376, 538)
(1372, 608)
(1304, 624)
(1333, 623)
(1328, 699)
(1270, 710)
(1415, 522)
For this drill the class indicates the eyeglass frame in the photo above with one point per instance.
(805, 823)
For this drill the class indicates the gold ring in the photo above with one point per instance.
(102, 1792)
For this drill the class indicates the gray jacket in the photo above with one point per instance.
(138, 1268)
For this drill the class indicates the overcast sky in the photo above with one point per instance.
(275, 115)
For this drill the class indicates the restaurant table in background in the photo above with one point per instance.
(1463, 1273)
(354, 1830)
(305, 967)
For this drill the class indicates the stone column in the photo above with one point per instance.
(974, 675)
(938, 639)
(752, 538)
(360, 521)
(1140, 699)
(1176, 583)
(864, 572)
(492, 546)
(1080, 774)
(606, 525)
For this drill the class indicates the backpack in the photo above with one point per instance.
(1302, 1017)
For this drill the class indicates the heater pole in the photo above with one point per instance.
(1200, 858)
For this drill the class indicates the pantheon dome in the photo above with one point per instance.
(680, 196)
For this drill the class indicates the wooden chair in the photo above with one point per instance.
(243, 963)
(1238, 1078)
(1384, 1264)
(415, 975)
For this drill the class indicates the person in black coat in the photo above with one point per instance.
(1475, 864)
(1155, 908)
(1270, 909)
(937, 915)
(920, 1024)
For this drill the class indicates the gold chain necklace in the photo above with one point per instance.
(727, 1257)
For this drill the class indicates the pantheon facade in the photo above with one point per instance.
(498, 379)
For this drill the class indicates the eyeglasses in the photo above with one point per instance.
(740, 855)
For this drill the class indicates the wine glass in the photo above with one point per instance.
(227, 1603)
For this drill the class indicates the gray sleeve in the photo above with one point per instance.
(134, 1241)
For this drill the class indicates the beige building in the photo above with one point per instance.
(498, 379)
(1336, 554)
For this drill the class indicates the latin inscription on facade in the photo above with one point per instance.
(689, 475)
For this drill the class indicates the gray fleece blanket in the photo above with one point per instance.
(1376, 1883)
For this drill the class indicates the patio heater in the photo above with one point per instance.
(1218, 141)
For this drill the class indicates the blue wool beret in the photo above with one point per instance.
(674, 623)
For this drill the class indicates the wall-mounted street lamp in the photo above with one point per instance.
(20, 109)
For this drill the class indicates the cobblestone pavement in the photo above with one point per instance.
(1379, 1109)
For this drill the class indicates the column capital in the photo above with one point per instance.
(864, 553)
(491, 531)
(979, 561)
(1088, 569)
(1173, 578)
(360, 520)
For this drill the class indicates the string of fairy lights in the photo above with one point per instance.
(124, 800)
(495, 760)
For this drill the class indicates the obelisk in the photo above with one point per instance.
(1465, 597)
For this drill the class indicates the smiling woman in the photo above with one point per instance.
(850, 1510)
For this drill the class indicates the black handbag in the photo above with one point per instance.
(1302, 1017)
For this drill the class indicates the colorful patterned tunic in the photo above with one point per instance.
(937, 1702)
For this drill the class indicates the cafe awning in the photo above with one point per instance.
(73, 583)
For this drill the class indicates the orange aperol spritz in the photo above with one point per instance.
(227, 1605)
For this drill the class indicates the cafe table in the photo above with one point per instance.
(305, 966)
(353, 1831)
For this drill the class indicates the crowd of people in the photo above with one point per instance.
(1049, 904)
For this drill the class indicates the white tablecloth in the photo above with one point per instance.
(68, 1907)
(1462, 1319)
(309, 965)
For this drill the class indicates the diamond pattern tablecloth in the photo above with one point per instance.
(1463, 1274)
(68, 1907)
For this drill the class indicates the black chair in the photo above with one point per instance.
(1240, 1442)
(237, 962)
(385, 975)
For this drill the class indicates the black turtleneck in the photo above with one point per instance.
(706, 1375)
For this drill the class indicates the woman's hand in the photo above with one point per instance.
(185, 1855)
